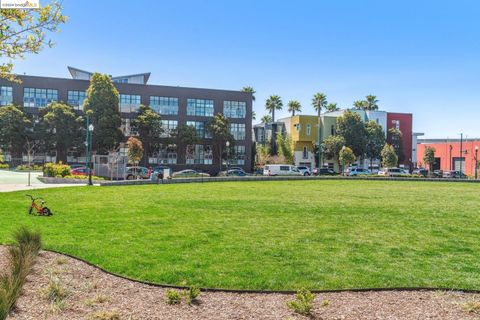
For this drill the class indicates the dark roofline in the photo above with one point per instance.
(137, 84)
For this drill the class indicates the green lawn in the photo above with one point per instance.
(268, 235)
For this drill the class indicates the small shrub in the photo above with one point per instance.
(59, 170)
(100, 298)
(105, 315)
(55, 293)
(191, 294)
(324, 303)
(173, 296)
(472, 306)
(302, 303)
(21, 258)
(4, 166)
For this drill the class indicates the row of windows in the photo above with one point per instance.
(199, 126)
(38, 98)
(199, 154)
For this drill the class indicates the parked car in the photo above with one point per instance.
(453, 174)
(79, 171)
(236, 168)
(304, 170)
(189, 173)
(438, 173)
(139, 172)
(281, 170)
(324, 172)
(391, 172)
(420, 172)
(233, 173)
(353, 172)
(160, 169)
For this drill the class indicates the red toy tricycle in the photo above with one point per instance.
(41, 209)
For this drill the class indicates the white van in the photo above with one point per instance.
(281, 170)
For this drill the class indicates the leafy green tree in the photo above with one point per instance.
(23, 32)
(331, 147)
(249, 89)
(219, 128)
(331, 107)
(102, 100)
(148, 126)
(375, 140)
(389, 157)
(61, 128)
(285, 147)
(294, 106)
(135, 151)
(13, 130)
(346, 157)
(395, 138)
(184, 134)
(351, 127)
(266, 119)
(429, 158)
(274, 102)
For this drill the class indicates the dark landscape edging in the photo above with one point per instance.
(275, 178)
(246, 291)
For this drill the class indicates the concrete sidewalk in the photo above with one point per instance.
(18, 187)
(15, 181)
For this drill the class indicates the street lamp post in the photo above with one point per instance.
(228, 152)
(476, 162)
(88, 144)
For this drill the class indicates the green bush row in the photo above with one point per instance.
(4, 166)
(24, 167)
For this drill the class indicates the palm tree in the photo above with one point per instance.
(319, 102)
(266, 119)
(360, 105)
(274, 102)
(249, 90)
(294, 106)
(332, 107)
(371, 102)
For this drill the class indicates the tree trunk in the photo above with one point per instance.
(273, 115)
(61, 155)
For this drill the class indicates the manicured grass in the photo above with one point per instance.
(267, 235)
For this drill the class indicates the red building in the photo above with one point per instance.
(449, 154)
(404, 123)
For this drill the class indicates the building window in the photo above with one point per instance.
(39, 98)
(166, 155)
(76, 98)
(199, 154)
(305, 153)
(129, 102)
(309, 129)
(234, 109)
(199, 126)
(168, 126)
(297, 126)
(164, 105)
(6, 96)
(200, 107)
(396, 124)
(237, 130)
(332, 130)
(123, 80)
(238, 157)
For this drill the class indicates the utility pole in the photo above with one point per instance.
(461, 152)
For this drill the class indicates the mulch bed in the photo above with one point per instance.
(93, 294)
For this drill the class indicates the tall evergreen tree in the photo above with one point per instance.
(62, 129)
(148, 126)
(102, 99)
(389, 157)
(13, 130)
(219, 128)
(375, 140)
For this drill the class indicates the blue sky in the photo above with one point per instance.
(416, 56)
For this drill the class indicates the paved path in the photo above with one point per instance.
(15, 181)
